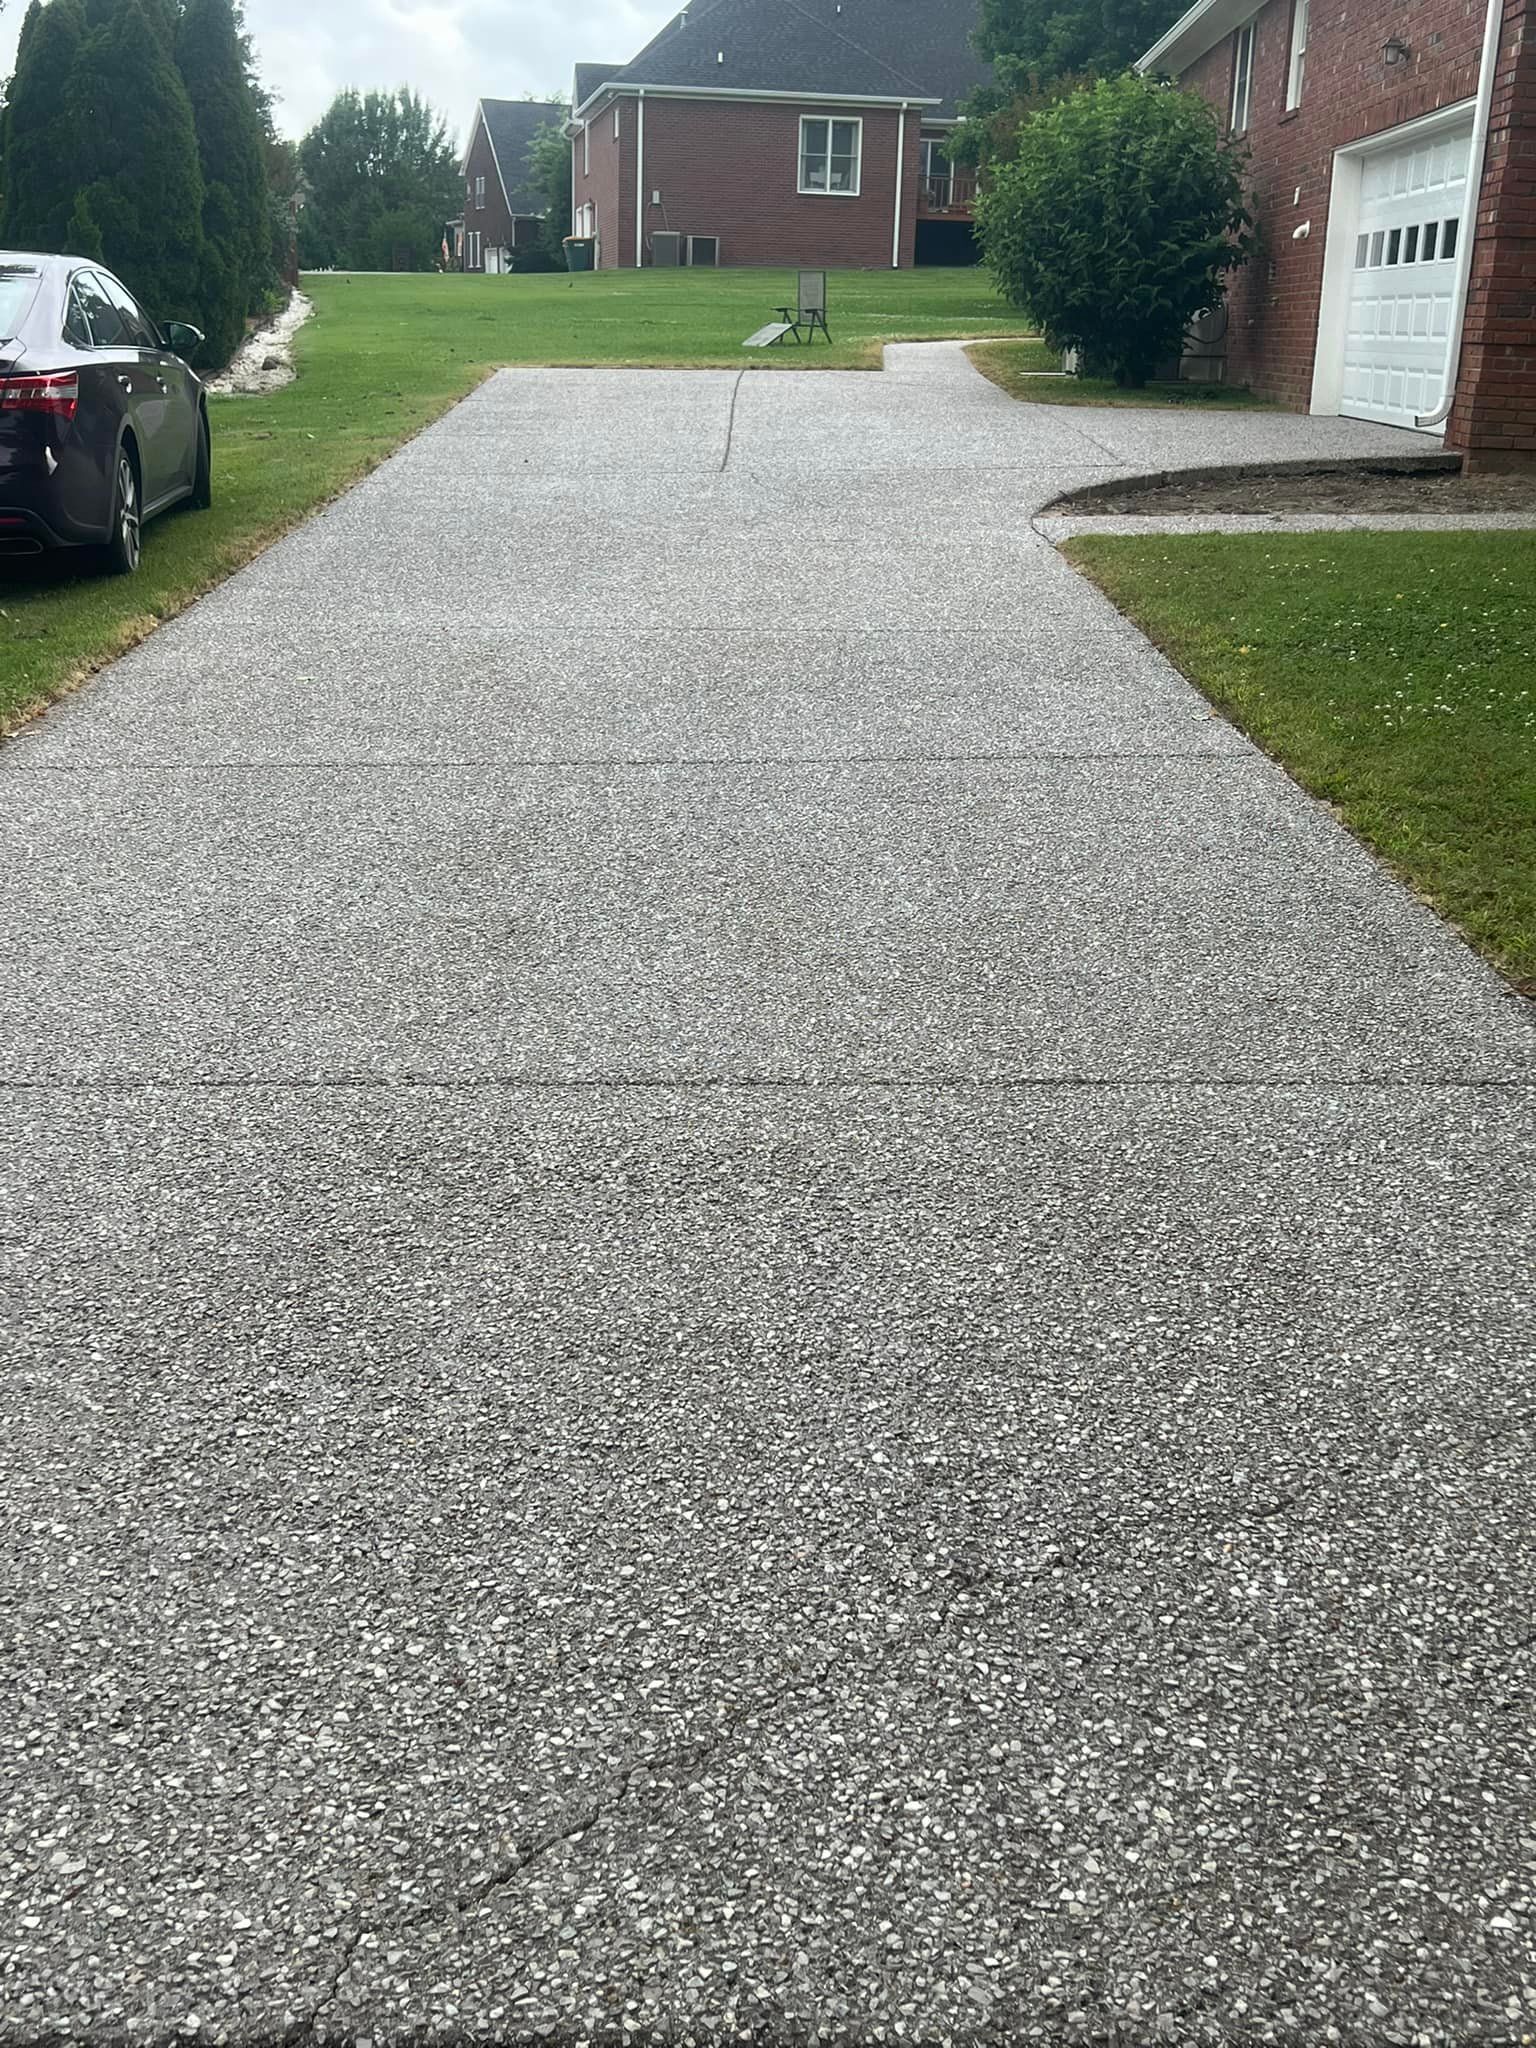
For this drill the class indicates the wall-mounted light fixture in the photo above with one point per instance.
(1396, 51)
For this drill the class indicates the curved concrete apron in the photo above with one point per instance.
(745, 1290)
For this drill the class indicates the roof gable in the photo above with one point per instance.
(588, 78)
(1195, 32)
(511, 126)
(859, 49)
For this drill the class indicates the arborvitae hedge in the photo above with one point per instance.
(132, 134)
(237, 239)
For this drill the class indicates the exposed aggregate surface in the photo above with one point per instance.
(745, 1297)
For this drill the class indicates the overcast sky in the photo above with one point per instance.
(453, 51)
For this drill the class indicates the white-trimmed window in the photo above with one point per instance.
(479, 195)
(830, 151)
(1242, 79)
(1295, 77)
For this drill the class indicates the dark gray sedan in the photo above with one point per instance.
(102, 423)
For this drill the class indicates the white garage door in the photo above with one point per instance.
(1412, 203)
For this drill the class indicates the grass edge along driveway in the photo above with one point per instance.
(382, 358)
(1392, 674)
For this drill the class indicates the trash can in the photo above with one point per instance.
(580, 251)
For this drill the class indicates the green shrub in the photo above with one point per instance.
(1116, 222)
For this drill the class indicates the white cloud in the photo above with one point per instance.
(453, 52)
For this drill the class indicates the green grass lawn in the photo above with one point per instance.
(382, 357)
(1017, 367)
(1394, 675)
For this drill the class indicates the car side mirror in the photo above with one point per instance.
(182, 339)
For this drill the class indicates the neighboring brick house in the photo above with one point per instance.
(1393, 171)
(760, 132)
(502, 210)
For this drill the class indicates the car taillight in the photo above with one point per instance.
(57, 393)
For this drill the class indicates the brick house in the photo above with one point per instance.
(502, 210)
(754, 132)
(1393, 168)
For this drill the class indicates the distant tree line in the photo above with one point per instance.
(381, 178)
(136, 132)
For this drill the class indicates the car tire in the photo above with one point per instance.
(202, 481)
(123, 551)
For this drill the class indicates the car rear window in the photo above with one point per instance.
(18, 288)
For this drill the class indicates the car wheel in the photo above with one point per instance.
(202, 482)
(124, 547)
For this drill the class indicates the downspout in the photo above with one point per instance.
(1492, 29)
(640, 178)
(901, 172)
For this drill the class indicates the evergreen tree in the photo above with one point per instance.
(83, 237)
(138, 160)
(42, 137)
(29, 22)
(237, 241)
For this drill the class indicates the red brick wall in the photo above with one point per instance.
(1350, 92)
(610, 185)
(731, 167)
(1494, 417)
(492, 221)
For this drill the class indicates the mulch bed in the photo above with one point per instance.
(1354, 489)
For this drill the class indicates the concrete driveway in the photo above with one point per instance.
(747, 1296)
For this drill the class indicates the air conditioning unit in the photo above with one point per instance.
(704, 251)
(666, 250)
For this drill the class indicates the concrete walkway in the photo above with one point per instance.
(747, 1296)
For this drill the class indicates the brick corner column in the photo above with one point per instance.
(1494, 418)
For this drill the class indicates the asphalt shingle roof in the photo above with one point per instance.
(511, 125)
(589, 77)
(876, 49)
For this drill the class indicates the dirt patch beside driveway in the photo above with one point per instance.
(1364, 488)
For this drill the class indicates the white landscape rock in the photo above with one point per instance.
(264, 360)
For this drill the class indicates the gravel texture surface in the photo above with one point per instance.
(746, 1299)
(264, 360)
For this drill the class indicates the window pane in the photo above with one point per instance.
(813, 155)
(106, 321)
(1431, 232)
(1448, 239)
(1394, 244)
(1376, 241)
(844, 135)
(1411, 245)
(1362, 244)
(75, 327)
(1242, 80)
(1298, 54)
